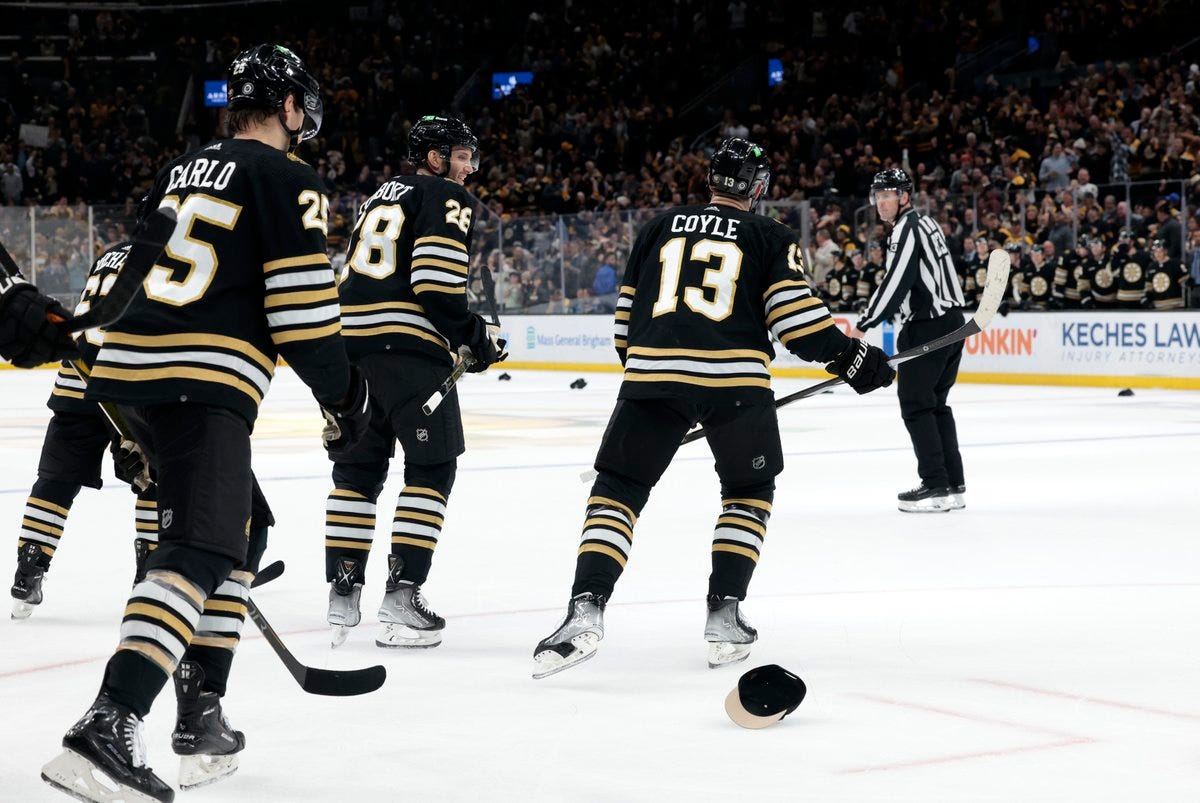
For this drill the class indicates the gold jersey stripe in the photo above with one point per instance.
(242, 347)
(433, 240)
(745, 552)
(146, 526)
(622, 315)
(383, 305)
(420, 542)
(242, 576)
(604, 500)
(225, 605)
(157, 655)
(786, 284)
(759, 503)
(49, 529)
(49, 506)
(393, 329)
(701, 381)
(742, 521)
(346, 493)
(713, 354)
(417, 489)
(178, 372)
(335, 543)
(70, 394)
(220, 642)
(430, 518)
(432, 262)
(606, 521)
(426, 287)
(295, 262)
(341, 518)
(178, 627)
(795, 306)
(807, 330)
(181, 584)
(604, 549)
(627, 290)
(301, 297)
(292, 335)
(146, 504)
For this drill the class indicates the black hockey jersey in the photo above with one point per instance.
(702, 288)
(67, 396)
(1164, 284)
(243, 279)
(404, 286)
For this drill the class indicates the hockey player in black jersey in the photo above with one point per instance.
(1165, 279)
(703, 288)
(404, 308)
(72, 452)
(32, 325)
(244, 279)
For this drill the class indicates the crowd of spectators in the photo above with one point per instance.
(625, 107)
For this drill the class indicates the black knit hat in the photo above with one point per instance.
(763, 696)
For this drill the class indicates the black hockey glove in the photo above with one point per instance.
(129, 463)
(863, 367)
(347, 421)
(484, 348)
(31, 330)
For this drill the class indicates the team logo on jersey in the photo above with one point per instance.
(1161, 282)
(759, 462)
(1038, 286)
(168, 516)
(423, 435)
(1132, 271)
(835, 287)
(981, 276)
(1104, 278)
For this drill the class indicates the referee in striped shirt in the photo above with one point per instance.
(921, 284)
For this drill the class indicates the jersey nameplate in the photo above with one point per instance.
(715, 225)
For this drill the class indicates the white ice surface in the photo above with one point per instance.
(1044, 644)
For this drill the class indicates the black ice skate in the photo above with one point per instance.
(32, 564)
(407, 620)
(960, 497)
(203, 738)
(728, 634)
(575, 640)
(104, 759)
(924, 499)
(344, 594)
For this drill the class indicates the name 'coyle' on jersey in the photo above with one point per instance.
(244, 278)
(702, 288)
(404, 286)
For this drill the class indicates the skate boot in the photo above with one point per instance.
(728, 634)
(141, 554)
(344, 594)
(203, 739)
(960, 497)
(32, 564)
(924, 499)
(407, 620)
(104, 759)
(575, 640)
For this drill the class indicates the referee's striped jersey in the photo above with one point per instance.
(244, 279)
(919, 281)
(702, 288)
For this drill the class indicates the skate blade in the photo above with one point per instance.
(72, 774)
(724, 653)
(549, 662)
(939, 505)
(339, 636)
(21, 609)
(394, 636)
(958, 502)
(202, 770)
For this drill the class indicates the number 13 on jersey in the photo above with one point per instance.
(721, 279)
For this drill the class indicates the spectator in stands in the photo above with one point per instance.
(1053, 174)
(1169, 230)
(605, 283)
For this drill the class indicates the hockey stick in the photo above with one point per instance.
(324, 682)
(267, 573)
(993, 294)
(147, 247)
(466, 361)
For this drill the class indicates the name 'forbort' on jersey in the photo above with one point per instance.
(404, 286)
(703, 287)
(244, 279)
(67, 396)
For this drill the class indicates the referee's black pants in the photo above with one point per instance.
(923, 385)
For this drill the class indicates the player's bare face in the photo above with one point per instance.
(461, 165)
(887, 203)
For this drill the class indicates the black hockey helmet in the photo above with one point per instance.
(891, 178)
(265, 75)
(441, 134)
(1158, 242)
(1126, 235)
(739, 168)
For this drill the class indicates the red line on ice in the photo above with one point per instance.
(1083, 698)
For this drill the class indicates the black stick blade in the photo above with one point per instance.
(147, 248)
(267, 573)
(343, 683)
